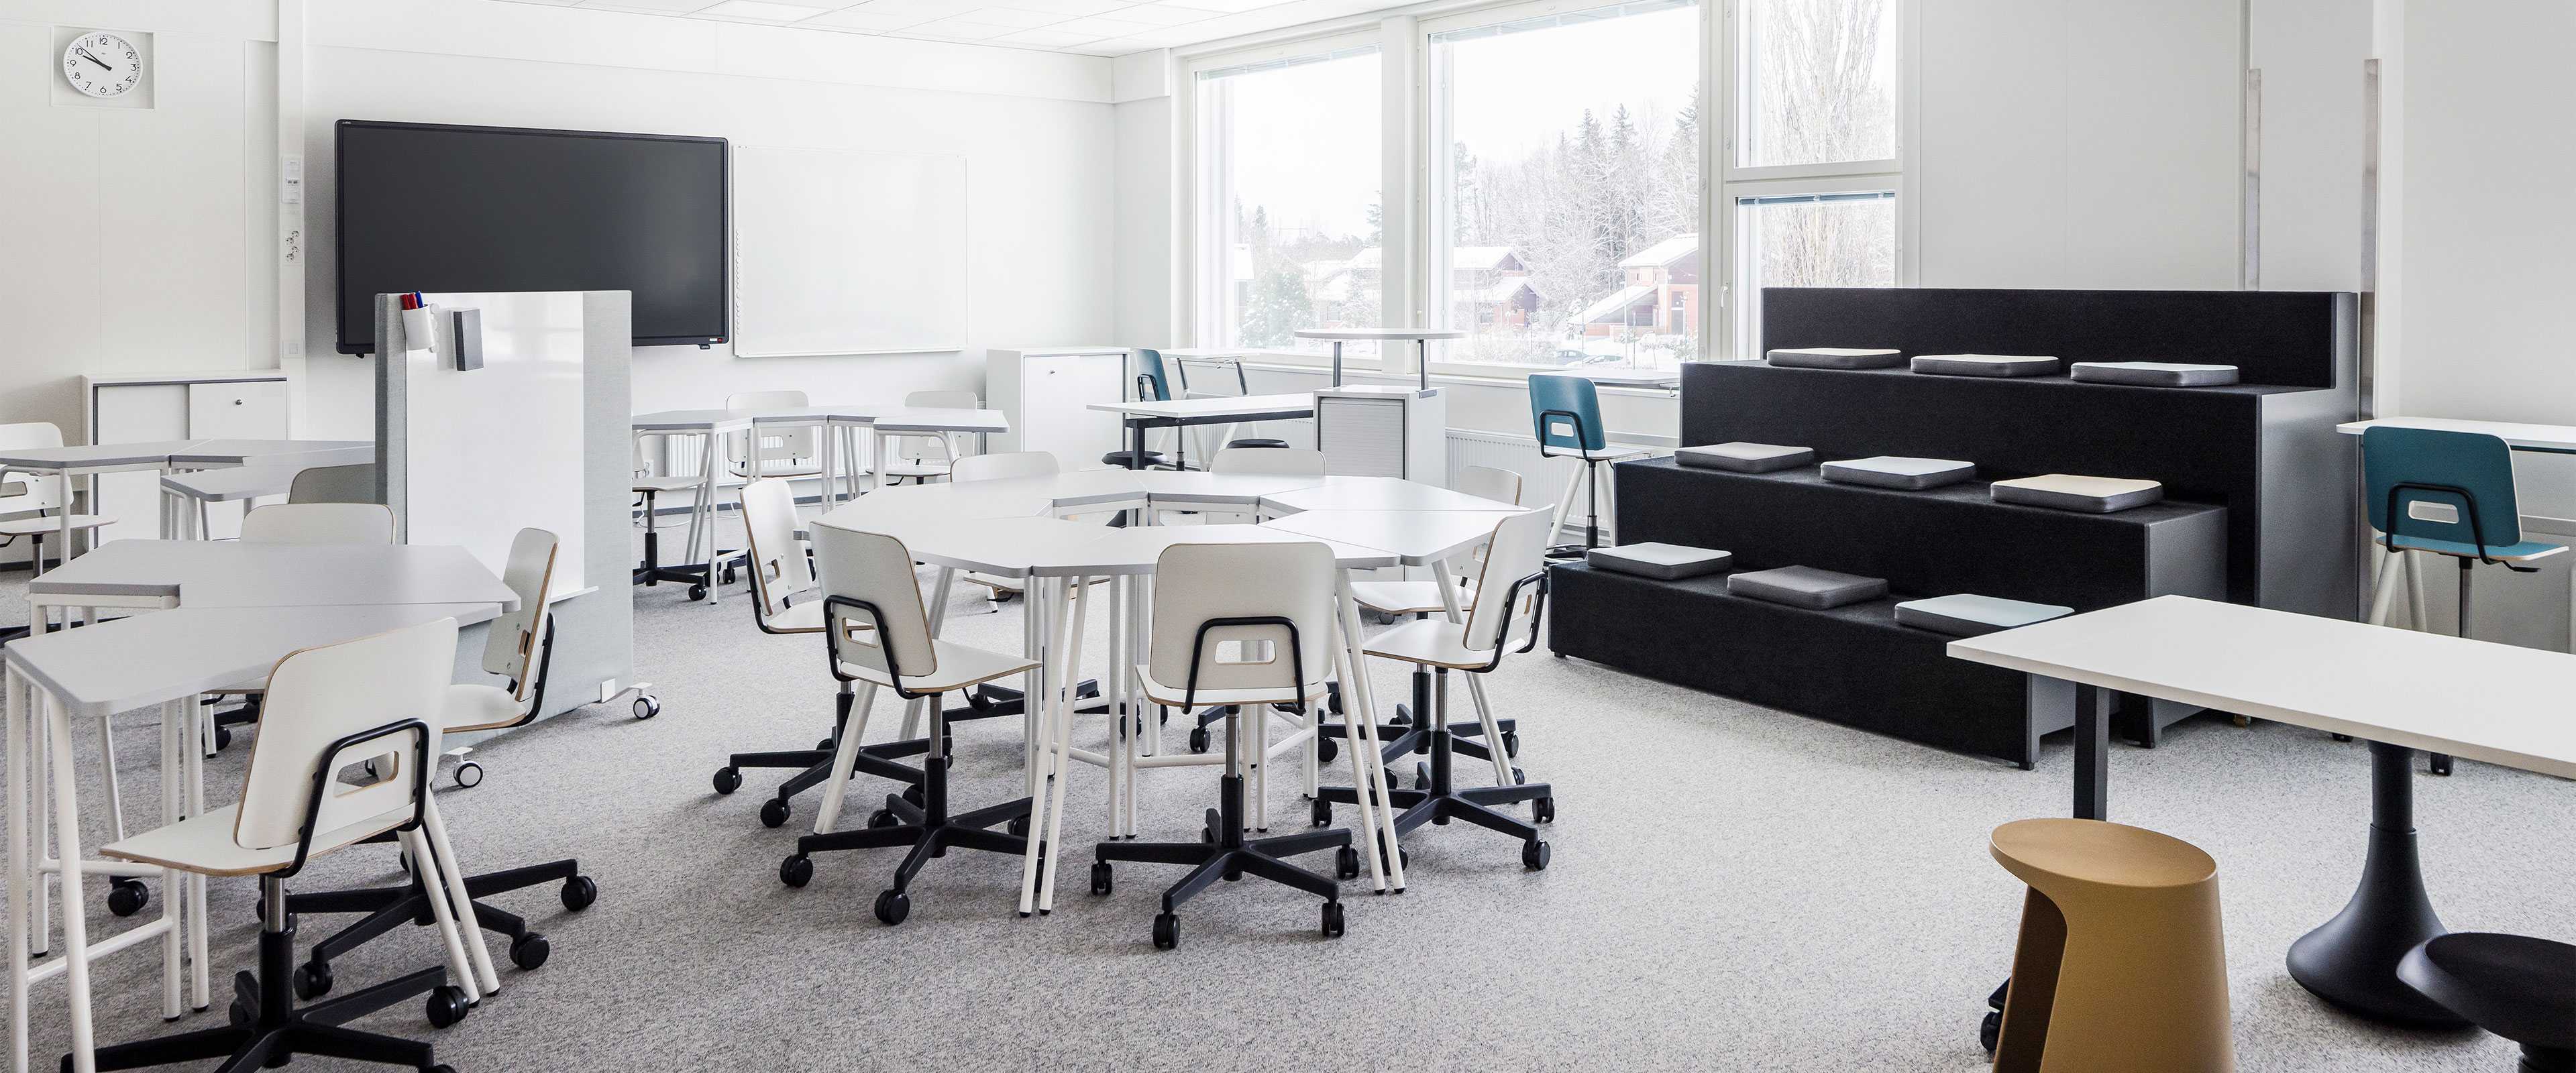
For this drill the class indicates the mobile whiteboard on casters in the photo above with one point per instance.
(841, 252)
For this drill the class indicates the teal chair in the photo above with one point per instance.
(1151, 386)
(1565, 414)
(2441, 493)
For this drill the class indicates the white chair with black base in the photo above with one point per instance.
(519, 647)
(877, 634)
(923, 455)
(1238, 625)
(786, 601)
(1004, 465)
(331, 710)
(1511, 597)
(34, 504)
(292, 523)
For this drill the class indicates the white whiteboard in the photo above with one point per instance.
(839, 252)
(494, 450)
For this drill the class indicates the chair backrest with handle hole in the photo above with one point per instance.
(1278, 461)
(2466, 478)
(1517, 551)
(1565, 411)
(23, 492)
(334, 484)
(1488, 482)
(510, 648)
(319, 523)
(1005, 465)
(316, 721)
(779, 572)
(1152, 383)
(777, 442)
(873, 569)
(1196, 583)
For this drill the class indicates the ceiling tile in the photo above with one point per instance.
(760, 11)
(1042, 38)
(1161, 14)
(863, 18)
(1102, 27)
(954, 30)
(649, 5)
(1014, 18)
(1226, 6)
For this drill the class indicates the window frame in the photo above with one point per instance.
(1191, 310)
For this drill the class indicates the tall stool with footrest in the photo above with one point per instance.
(1151, 386)
(2442, 493)
(1566, 414)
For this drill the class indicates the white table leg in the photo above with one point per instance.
(2383, 587)
(426, 862)
(1061, 766)
(1365, 748)
(22, 874)
(195, 767)
(469, 925)
(75, 927)
(707, 507)
(2417, 619)
(845, 760)
(1034, 708)
(174, 883)
(1122, 718)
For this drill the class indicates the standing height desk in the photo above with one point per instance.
(1146, 414)
(1421, 337)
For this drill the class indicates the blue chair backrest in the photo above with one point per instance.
(1149, 367)
(1552, 397)
(2470, 472)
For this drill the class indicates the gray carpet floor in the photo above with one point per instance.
(1732, 888)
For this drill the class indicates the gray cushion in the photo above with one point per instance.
(1894, 471)
(2092, 495)
(1666, 561)
(1829, 357)
(2152, 373)
(1967, 616)
(1744, 457)
(1807, 587)
(1984, 365)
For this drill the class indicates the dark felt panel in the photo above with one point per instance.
(2277, 337)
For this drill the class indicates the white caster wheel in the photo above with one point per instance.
(647, 706)
(469, 775)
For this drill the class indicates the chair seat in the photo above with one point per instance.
(959, 666)
(1119, 458)
(1258, 442)
(2515, 986)
(914, 467)
(1432, 642)
(796, 618)
(204, 844)
(2096, 854)
(663, 484)
(1172, 696)
(778, 469)
(473, 706)
(50, 525)
(1407, 597)
(2512, 553)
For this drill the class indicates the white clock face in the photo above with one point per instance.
(102, 64)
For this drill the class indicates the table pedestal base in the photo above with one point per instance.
(2351, 960)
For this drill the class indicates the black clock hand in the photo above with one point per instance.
(102, 64)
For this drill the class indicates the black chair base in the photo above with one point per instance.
(815, 764)
(2515, 986)
(389, 907)
(1439, 799)
(927, 827)
(1122, 460)
(267, 1028)
(1223, 853)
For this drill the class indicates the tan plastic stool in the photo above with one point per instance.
(2121, 967)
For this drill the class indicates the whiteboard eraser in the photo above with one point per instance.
(465, 339)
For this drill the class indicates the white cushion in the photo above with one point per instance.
(1670, 562)
(1742, 457)
(1897, 471)
(2152, 373)
(1829, 357)
(1967, 615)
(1984, 365)
(2066, 491)
(1807, 587)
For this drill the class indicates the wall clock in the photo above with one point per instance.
(102, 64)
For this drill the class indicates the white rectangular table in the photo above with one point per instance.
(169, 456)
(231, 573)
(2398, 689)
(2520, 436)
(1378, 493)
(1144, 414)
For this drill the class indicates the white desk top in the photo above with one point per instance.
(1056, 547)
(232, 573)
(1417, 537)
(142, 660)
(2513, 433)
(165, 453)
(889, 417)
(1378, 493)
(1217, 408)
(928, 419)
(2496, 703)
(1379, 333)
(1180, 488)
(1136, 549)
(1202, 353)
(263, 478)
(1618, 377)
(244, 452)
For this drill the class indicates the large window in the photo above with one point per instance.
(1287, 218)
(1567, 185)
(1812, 181)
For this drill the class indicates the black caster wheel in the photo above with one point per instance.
(728, 779)
(223, 738)
(1346, 863)
(1534, 855)
(126, 897)
(239, 1015)
(730, 576)
(697, 591)
(1018, 827)
(773, 813)
(312, 980)
(912, 794)
(1989, 1028)
(1327, 751)
(1332, 920)
(1543, 810)
(1520, 777)
(529, 951)
(824, 746)
(2343, 737)
(1167, 931)
(439, 1068)
(2439, 765)
(1199, 740)
(1100, 882)
(893, 906)
(447, 1006)
(796, 871)
(1322, 812)
(882, 818)
(1512, 744)
(578, 892)
(469, 775)
(647, 706)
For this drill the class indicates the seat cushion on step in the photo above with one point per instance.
(1830, 357)
(1671, 562)
(2066, 491)
(1742, 457)
(1896, 471)
(1966, 615)
(1984, 365)
(2151, 373)
(1807, 587)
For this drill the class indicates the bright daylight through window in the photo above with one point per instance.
(1813, 174)
(1288, 216)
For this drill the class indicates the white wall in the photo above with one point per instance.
(136, 240)
(2311, 53)
(1037, 131)
(1144, 211)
